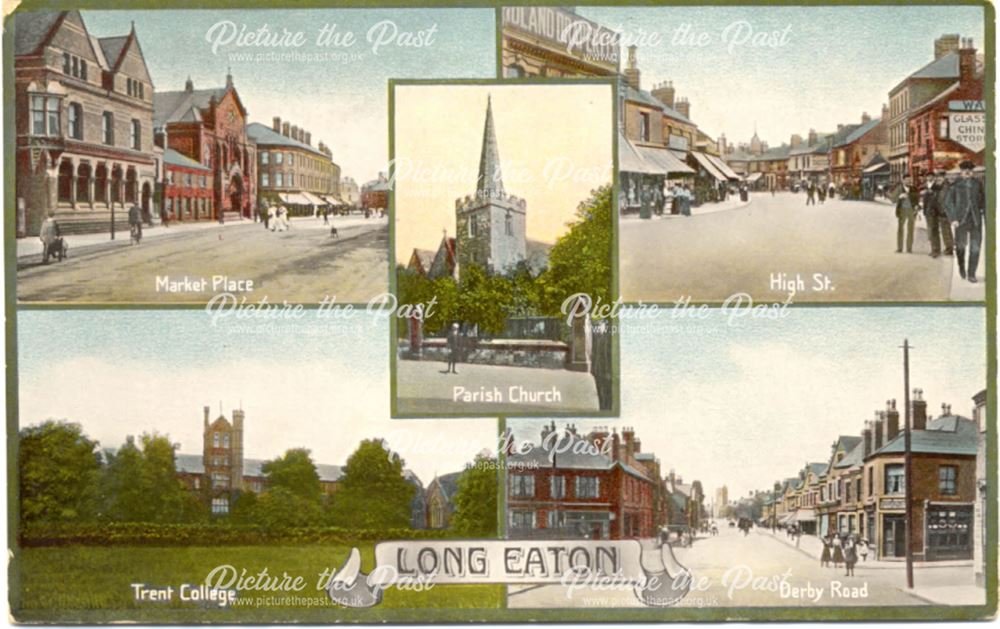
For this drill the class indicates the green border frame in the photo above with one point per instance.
(615, 410)
(424, 615)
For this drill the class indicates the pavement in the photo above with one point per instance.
(839, 251)
(423, 388)
(190, 263)
(759, 570)
(731, 203)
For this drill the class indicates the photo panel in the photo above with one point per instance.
(503, 240)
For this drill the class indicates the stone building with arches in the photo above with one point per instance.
(84, 125)
(211, 173)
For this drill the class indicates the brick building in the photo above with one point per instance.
(855, 145)
(375, 194)
(188, 188)
(208, 126)
(951, 127)
(537, 42)
(84, 125)
(596, 488)
(292, 171)
(221, 472)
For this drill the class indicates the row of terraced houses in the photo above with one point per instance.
(861, 488)
(95, 137)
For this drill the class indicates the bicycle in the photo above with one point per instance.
(136, 233)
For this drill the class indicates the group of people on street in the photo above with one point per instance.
(814, 191)
(681, 197)
(275, 217)
(843, 549)
(955, 214)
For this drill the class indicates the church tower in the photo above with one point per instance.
(490, 226)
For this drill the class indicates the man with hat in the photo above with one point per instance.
(938, 227)
(907, 204)
(966, 207)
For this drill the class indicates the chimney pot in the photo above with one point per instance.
(276, 124)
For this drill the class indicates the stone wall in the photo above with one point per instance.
(500, 352)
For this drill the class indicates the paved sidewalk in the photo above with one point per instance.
(732, 203)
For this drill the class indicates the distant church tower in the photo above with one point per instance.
(222, 458)
(490, 227)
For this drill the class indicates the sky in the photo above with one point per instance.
(748, 404)
(828, 64)
(319, 384)
(546, 157)
(341, 97)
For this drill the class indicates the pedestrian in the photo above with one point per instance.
(269, 217)
(811, 194)
(838, 551)
(850, 557)
(833, 191)
(938, 228)
(966, 207)
(824, 558)
(454, 346)
(907, 204)
(863, 549)
(822, 195)
(686, 200)
(49, 234)
(135, 223)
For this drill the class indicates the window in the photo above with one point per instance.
(291, 159)
(225, 440)
(220, 505)
(871, 481)
(522, 485)
(556, 519)
(943, 127)
(108, 127)
(472, 227)
(263, 157)
(291, 179)
(215, 440)
(278, 157)
(197, 482)
(45, 115)
(135, 135)
(265, 180)
(587, 486)
(894, 480)
(67, 63)
(948, 480)
(277, 179)
(83, 69)
(204, 181)
(557, 486)
(644, 126)
(187, 180)
(522, 519)
(75, 120)
(508, 225)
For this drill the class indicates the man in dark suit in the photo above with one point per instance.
(966, 206)
(454, 347)
(938, 226)
(907, 203)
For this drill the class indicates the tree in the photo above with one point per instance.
(281, 507)
(484, 299)
(580, 261)
(244, 509)
(476, 499)
(59, 468)
(296, 472)
(373, 493)
(140, 484)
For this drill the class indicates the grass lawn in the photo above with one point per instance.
(90, 583)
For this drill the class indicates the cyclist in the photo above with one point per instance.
(135, 223)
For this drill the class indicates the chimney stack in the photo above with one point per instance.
(865, 118)
(276, 124)
(966, 62)
(308, 139)
(632, 72)
(284, 129)
(664, 92)
(683, 107)
(885, 112)
(615, 445)
(628, 436)
(295, 132)
(891, 421)
(946, 44)
(812, 137)
(866, 439)
(919, 406)
(206, 416)
(879, 431)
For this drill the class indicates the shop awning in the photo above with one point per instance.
(665, 160)
(753, 177)
(723, 167)
(314, 199)
(707, 164)
(788, 518)
(630, 161)
(805, 515)
(876, 167)
(332, 199)
(294, 198)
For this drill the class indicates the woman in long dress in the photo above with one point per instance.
(838, 552)
(824, 559)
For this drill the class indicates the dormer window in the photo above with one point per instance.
(135, 88)
(74, 66)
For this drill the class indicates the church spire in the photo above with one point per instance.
(490, 183)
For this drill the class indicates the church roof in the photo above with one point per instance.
(489, 184)
(177, 106)
(448, 484)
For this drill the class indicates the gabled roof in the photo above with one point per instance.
(175, 106)
(854, 457)
(944, 67)
(32, 30)
(645, 98)
(112, 47)
(949, 434)
(448, 484)
(424, 258)
(173, 158)
(859, 131)
(266, 136)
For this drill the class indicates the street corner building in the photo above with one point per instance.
(861, 490)
(84, 125)
(600, 485)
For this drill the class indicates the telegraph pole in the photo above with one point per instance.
(907, 465)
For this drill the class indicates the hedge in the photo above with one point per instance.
(149, 534)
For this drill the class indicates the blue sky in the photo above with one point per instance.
(342, 99)
(320, 384)
(744, 405)
(837, 62)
